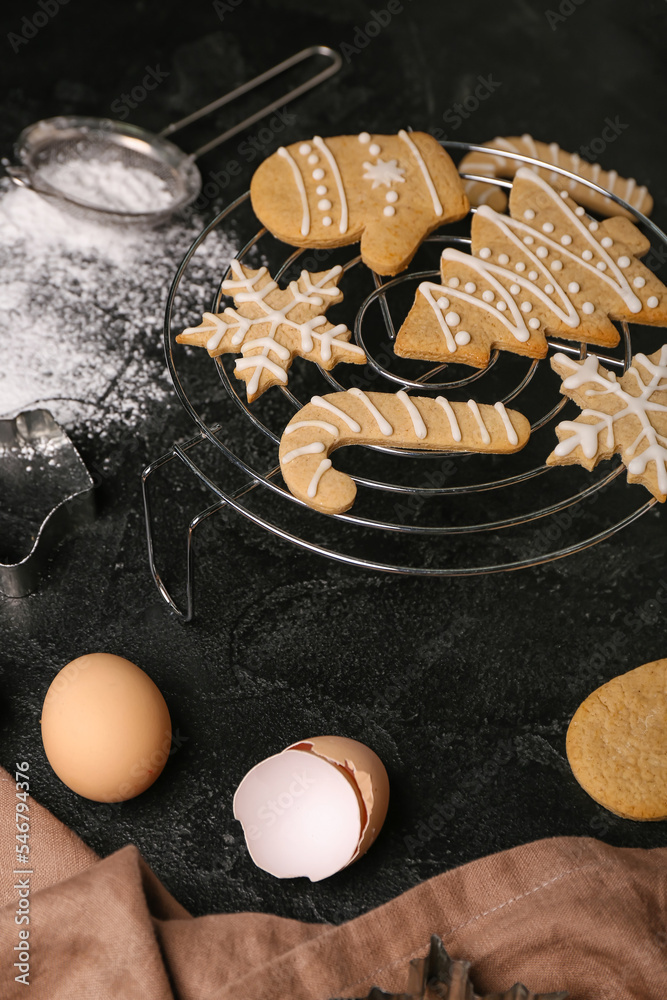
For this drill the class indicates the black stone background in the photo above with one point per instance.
(465, 687)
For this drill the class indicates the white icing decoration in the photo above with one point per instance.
(520, 266)
(534, 323)
(388, 210)
(652, 302)
(391, 196)
(593, 227)
(313, 159)
(528, 240)
(515, 289)
(374, 149)
(470, 287)
(383, 424)
(327, 220)
(573, 287)
(548, 227)
(451, 416)
(587, 255)
(301, 187)
(416, 417)
(304, 149)
(462, 338)
(563, 194)
(428, 180)
(322, 146)
(579, 211)
(324, 205)
(383, 173)
(526, 307)
(318, 174)
(485, 253)
(330, 428)
(501, 305)
(271, 345)
(324, 465)
(623, 261)
(307, 449)
(529, 214)
(313, 296)
(453, 319)
(549, 288)
(488, 295)
(503, 259)
(566, 240)
(606, 242)
(557, 265)
(533, 275)
(443, 303)
(586, 435)
(512, 436)
(601, 266)
(542, 252)
(474, 409)
(345, 417)
(321, 189)
(588, 308)
(364, 138)
(639, 282)
(453, 282)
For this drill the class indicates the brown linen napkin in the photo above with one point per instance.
(566, 913)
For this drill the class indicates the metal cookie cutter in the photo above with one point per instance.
(40, 469)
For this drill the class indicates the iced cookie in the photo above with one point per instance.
(547, 269)
(627, 415)
(271, 325)
(398, 420)
(389, 191)
(491, 165)
(617, 743)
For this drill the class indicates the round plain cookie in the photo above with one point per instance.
(617, 743)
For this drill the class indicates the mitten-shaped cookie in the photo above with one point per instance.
(389, 191)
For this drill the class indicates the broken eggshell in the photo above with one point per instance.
(314, 808)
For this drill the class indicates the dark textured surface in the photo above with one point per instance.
(464, 687)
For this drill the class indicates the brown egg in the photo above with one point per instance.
(105, 727)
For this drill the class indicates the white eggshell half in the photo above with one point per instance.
(300, 816)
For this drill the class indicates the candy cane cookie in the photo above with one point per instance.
(494, 165)
(398, 420)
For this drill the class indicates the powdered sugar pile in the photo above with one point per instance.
(109, 185)
(81, 308)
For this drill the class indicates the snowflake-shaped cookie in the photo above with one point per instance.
(382, 172)
(626, 415)
(271, 325)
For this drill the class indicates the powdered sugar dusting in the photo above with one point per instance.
(81, 308)
(111, 185)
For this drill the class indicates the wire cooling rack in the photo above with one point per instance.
(434, 514)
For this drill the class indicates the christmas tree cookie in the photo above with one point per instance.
(272, 325)
(546, 269)
(389, 191)
(627, 415)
